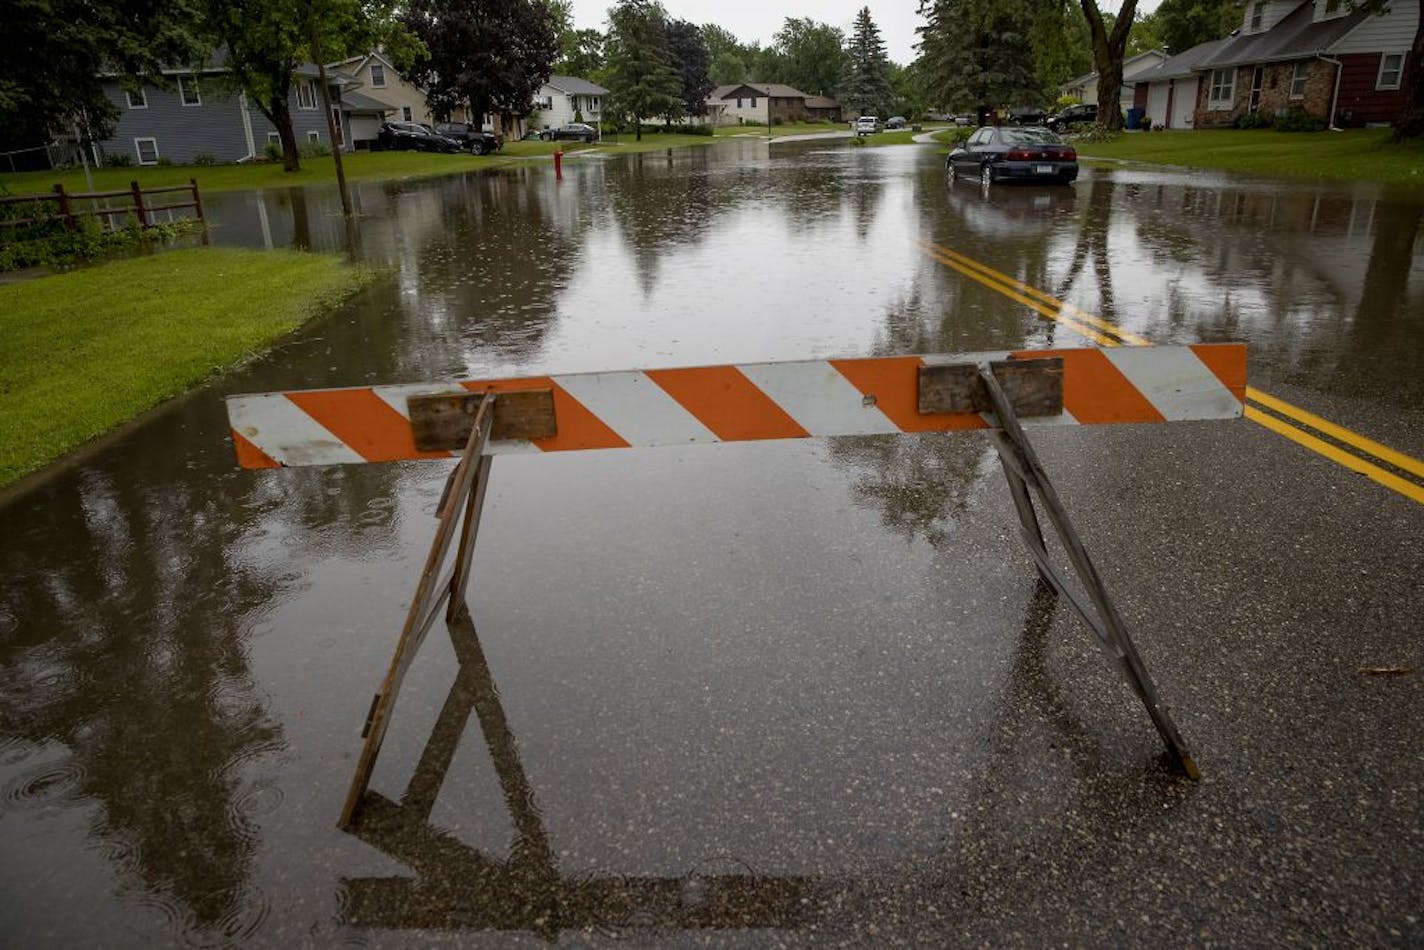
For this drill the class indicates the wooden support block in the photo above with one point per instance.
(1034, 387)
(442, 421)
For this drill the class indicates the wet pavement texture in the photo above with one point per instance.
(778, 693)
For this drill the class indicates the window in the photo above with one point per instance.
(188, 92)
(313, 136)
(1391, 67)
(147, 150)
(1258, 13)
(594, 104)
(274, 139)
(405, 114)
(739, 102)
(1223, 88)
(336, 122)
(1302, 72)
(753, 102)
(306, 95)
(138, 99)
(378, 76)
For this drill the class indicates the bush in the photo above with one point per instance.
(1062, 102)
(1251, 120)
(204, 159)
(958, 134)
(1298, 120)
(777, 120)
(704, 129)
(314, 150)
(164, 161)
(1097, 132)
(118, 160)
(272, 151)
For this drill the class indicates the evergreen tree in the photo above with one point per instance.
(979, 53)
(865, 84)
(641, 80)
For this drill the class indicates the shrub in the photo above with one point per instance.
(1097, 132)
(118, 160)
(777, 120)
(1251, 120)
(204, 159)
(1062, 102)
(164, 161)
(314, 150)
(272, 151)
(703, 129)
(1298, 120)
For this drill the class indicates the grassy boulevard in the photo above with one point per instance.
(84, 351)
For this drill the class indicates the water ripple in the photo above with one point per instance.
(50, 783)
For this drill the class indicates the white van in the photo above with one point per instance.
(867, 125)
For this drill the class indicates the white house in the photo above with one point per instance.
(1085, 88)
(565, 99)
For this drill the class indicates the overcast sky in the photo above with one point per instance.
(758, 20)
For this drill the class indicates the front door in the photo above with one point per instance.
(1256, 78)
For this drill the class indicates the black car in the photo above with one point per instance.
(474, 139)
(411, 135)
(894, 122)
(1066, 118)
(1023, 154)
(1027, 115)
(575, 131)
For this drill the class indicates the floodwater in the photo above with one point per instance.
(764, 693)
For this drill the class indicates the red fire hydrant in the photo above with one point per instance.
(558, 164)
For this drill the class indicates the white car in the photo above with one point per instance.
(867, 125)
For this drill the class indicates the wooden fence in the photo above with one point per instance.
(138, 202)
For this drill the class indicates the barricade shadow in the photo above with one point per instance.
(459, 886)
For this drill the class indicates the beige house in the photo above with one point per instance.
(759, 102)
(380, 81)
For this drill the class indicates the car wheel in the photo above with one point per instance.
(477, 148)
(986, 175)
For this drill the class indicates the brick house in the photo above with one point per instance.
(1340, 65)
(756, 102)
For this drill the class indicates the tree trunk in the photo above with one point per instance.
(331, 120)
(637, 128)
(1411, 121)
(280, 113)
(1108, 49)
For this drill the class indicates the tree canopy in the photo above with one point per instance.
(865, 83)
(812, 56)
(487, 55)
(55, 51)
(1182, 24)
(641, 80)
(687, 54)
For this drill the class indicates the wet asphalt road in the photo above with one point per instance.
(799, 693)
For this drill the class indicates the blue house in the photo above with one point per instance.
(205, 114)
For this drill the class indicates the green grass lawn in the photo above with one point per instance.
(790, 128)
(1358, 154)
(84, 351)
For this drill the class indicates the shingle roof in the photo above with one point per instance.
(1296, 36)
(575, 86)
(1088, 77)
(1184, 63)
(773, 90)
(355, 102)
(821, 102)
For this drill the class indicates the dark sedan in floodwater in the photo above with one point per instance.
(1021, 154)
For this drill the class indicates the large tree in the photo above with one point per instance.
(813, 55)
(865, 82)
(980, 52)
(580, 54)
(731, 60)
(55, 52)
(641, 80)
(1060, 43)
(263, 43)
(483, 55)
(1182, 24)
(687, 54)
(1109, 46)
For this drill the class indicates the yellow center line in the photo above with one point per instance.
(1057, 310)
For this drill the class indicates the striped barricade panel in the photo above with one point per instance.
(790, 400)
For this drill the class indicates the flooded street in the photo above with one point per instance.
(781, 692)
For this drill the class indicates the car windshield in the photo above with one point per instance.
(1030, 137)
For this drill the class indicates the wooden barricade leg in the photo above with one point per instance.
(1024, 471)
(429, 594)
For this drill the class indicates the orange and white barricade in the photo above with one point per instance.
(1005, 392)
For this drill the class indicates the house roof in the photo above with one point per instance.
(1089, 77)
(1296, 36)
(355, 102)
(773, 90)
(575, 86)
(821, 102)
(1184, 63)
